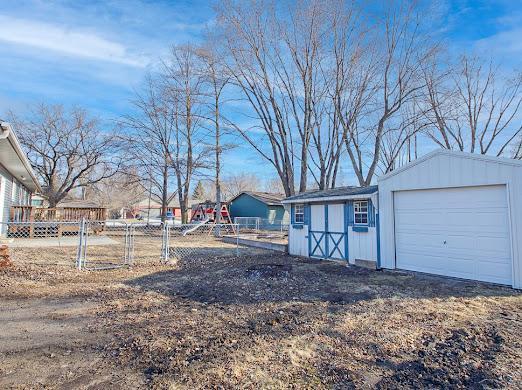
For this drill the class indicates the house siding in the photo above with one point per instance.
(6, 189)
(248, 206)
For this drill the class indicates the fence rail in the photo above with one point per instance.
(58, 214)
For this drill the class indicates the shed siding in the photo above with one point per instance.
(446, 170)
(298, 241)
(362, 246)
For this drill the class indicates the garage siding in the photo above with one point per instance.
(445, 169)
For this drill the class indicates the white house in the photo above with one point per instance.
(17, 179)
(447, 213)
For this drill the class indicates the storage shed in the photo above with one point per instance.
(448, 213)
(340, 223)
(454, 214)
(264, 205)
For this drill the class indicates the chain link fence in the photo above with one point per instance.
(262, 229)
(97, 245)
(52, 243)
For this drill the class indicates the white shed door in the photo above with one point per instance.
(317, 232)
(459, 232)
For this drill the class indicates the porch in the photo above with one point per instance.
(33, 221)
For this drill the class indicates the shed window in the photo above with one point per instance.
(299, 213)
(360, 212)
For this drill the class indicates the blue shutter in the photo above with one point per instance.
(350, 213)
(292, 214)
(371, 214)
(307, 214)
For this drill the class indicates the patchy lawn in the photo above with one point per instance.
(265, 320)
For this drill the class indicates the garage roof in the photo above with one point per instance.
(452, 153)
(331, 194)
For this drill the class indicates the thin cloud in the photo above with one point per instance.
(66, 41)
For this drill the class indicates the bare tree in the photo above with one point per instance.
(184, 75)
(384, 77)
(274, 55)
(237, 183)
(399, 141)
(472, 108)
(517, 150)
(216, 79)
(67, 149)
(274, 186)
(150, 139)
(119, 192)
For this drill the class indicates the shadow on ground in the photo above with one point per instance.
(280, 278)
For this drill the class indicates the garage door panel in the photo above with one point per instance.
(418, 241)
(459, 232)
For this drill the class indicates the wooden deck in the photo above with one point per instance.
(32, 222)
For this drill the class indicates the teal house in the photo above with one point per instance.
(263, 205)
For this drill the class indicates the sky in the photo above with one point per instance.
(95, 53)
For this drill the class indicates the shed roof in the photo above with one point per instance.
(339, 192)
(268, 198)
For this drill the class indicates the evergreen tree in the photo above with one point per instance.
(199, 191)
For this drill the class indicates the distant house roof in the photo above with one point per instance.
(174, 202)
(78, 203)
(267, 198)
(339, 192)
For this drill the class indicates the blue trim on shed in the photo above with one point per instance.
(350, 213)
(371, 214)
(360, 229)
(346, 245)
(378, 225)
(327, 237)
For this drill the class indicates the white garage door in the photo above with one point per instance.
(459, 232)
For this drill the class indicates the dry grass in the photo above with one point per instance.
(260, 320)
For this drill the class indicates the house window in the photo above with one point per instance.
(299, 213)
(360, 212)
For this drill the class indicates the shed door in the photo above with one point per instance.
(336, 232)
(317, 231)
(459, 232)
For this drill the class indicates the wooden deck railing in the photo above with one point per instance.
(59, 214)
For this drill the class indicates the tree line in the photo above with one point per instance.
(311, 87)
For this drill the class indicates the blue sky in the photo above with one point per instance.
(95, 53)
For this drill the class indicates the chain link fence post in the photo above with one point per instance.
(165, 243)
(82, 245)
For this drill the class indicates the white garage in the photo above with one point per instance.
(454, 214)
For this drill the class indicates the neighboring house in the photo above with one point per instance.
(149, 208)
(17, 179)
(263, 205)
(448, 213)
(39, 201)
(174, 207)
(144, 208)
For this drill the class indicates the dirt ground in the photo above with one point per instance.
(263, 320)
